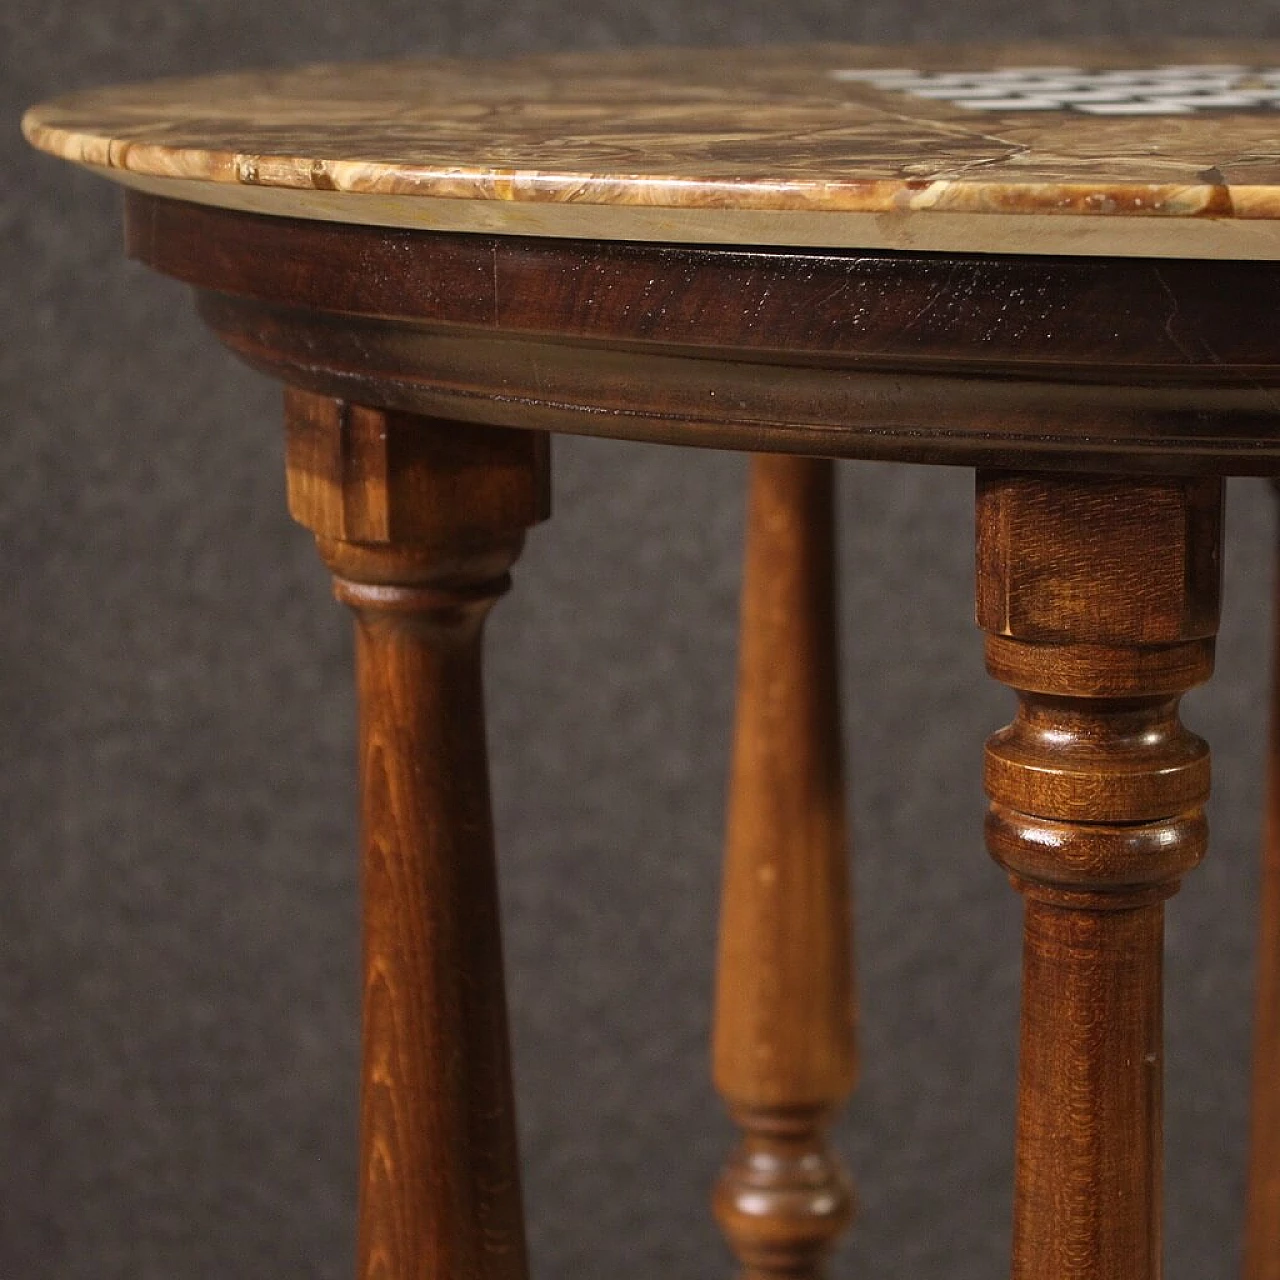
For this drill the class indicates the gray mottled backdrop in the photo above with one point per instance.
(178, 943)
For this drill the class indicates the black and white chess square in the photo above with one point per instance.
(1149, 91)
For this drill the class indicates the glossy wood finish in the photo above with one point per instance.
(419, 523)
(424, 368)
(784, 1032)
(1262, 1232)
(1100, 600)
(1117, 365)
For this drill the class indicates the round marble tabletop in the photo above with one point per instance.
(1150, 151)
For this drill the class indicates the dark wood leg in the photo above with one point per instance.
(420, 521)
(1262, 1235)
(784, 1035)
(1100, 599)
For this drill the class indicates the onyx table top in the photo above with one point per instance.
(1166, 150)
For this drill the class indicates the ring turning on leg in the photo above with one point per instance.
(1100, 600)
(784, 1035)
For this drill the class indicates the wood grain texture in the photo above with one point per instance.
(1088, 1196)
(784, 1031)
(549, 144)
(908, 357)
(1059, 562)
(1262, 1231)
(1101, 608)
(420, 525)
(1193, 321)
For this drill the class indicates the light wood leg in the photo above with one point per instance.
(784, 1033)
(1262, 1235)
(1100, 600)
(420, 521)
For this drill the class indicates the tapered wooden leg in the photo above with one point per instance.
(784, 1034)
(420, 521)
(1100, 599)
(1262, 1235)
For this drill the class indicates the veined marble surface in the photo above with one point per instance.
(1159, 150)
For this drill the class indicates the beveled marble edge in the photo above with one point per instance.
(952, 193)
(1061, 234)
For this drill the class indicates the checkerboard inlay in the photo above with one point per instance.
(1154, 91)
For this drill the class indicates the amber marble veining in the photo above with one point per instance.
(814, 145)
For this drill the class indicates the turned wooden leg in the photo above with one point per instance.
(1100, 599)
(420, 521)
(1262, 1235)
(784, 1034)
